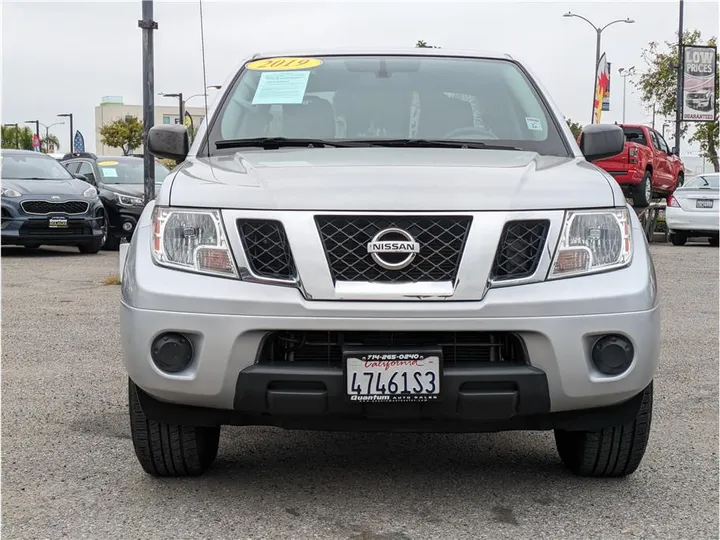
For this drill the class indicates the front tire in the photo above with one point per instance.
(714, 241)
(91, 249)
(642, 195)
(112, 243)
(610, 452)
(168, 449)
(678, 238)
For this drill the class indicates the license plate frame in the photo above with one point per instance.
(394, 360)
(58, 223)
(704, 203)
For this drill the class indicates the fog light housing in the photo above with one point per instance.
(127, 226)
(171, 352)
(613, 354)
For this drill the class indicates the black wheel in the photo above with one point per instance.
(112, 243)
(642, 194)
(32, 246)
(678, 238)
(611, 452)
(713, 241)
(90, 249)
(170, 450)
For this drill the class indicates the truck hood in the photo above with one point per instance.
(389, 179)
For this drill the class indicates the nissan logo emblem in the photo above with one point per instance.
(393, 249)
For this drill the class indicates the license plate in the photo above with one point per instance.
(704, 203)
(58, 223)
(393, 377)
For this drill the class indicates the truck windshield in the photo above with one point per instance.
(389, 98)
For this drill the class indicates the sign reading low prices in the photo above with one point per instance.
(699, 73)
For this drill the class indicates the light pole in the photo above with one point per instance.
(182, 102)
(47, 133)
(624, 73)
(664, 127)
(17, 134)
(72, 143)
(598, 31)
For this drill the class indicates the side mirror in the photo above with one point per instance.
(600, 141)
(169, 141)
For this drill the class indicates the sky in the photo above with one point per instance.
(61, 57)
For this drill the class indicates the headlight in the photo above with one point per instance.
(191, 240)
(7, 192)
(90, 192)
(593, 241)
(126, 200)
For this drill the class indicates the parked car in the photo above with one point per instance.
(423, 249)
(43, 204)
(693, 210)
(120, 181)
(646, 168)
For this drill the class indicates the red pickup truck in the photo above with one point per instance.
(647, 168)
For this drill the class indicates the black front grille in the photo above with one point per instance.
(520, 249)
(267, 248)
(42, 228)
(441, 239)
(326, 347)
(48, 207)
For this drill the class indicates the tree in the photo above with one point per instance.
(50, 139)
(11, 135)
(422, 44)
(658, 85)
(575, 127)
(125, 133)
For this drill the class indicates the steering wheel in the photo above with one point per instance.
(470, 130)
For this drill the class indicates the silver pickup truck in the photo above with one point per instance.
(391, 241)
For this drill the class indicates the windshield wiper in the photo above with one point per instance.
(436, 143)
(273, 143)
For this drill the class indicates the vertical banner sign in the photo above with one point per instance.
(601, 86)
(699, 75)
(606, 98)
(36, 142)
(79, 142)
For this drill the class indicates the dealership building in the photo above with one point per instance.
(112, 108)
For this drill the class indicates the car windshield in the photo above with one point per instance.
(128, 171)
(711, 181)
(395, 99)
(32, 167)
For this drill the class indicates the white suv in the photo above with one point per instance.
(404, 240)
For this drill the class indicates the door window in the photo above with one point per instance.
(87, 170)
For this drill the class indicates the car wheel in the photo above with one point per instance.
(642, 195)
(112, 243)
(91, 249)
(714, 241)
(168, 449)
(678, 238)
(610, 452)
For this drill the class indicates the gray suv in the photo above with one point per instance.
(395, 241)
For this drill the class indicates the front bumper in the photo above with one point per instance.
(20, 229)
(678, 219)
(227, 320)
(119, 215)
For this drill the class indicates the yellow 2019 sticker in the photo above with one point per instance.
(107, 163)
(283, 64)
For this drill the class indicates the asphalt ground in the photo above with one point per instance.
(69, 470)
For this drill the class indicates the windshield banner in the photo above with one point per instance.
(699, 83)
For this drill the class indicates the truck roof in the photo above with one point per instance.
(405, 51)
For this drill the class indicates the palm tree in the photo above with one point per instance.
(48, 140)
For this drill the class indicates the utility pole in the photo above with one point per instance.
(680, 68)
(72, 133)
(624, 73)
(37, 126)
(148, 26)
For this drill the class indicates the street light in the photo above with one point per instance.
(47, 133)
(598, 31)
(72, 144)
(182, 102)
(17, 134)
(624, 73)
(664, 127)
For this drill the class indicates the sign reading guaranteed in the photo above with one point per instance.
(699, 73)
